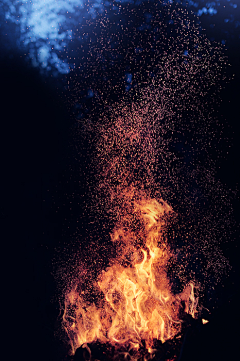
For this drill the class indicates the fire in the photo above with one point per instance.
(137, 302)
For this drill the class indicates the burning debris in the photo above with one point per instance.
(172, 349)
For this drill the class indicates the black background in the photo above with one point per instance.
(35, 156)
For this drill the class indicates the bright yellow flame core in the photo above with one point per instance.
(138, 302)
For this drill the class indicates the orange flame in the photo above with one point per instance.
(138, 303)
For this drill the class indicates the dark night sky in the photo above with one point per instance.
(35, 162)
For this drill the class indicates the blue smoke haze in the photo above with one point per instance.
(44, 28)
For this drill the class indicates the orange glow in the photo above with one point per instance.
(137, 300)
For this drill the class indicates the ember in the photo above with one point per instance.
(130, 311)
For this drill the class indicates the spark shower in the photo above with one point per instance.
(151, 179)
